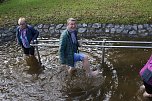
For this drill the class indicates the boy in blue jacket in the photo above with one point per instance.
(26, 35)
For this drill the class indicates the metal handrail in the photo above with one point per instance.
(103, 46)
(47, 45)
(48, 40)
(98, 46)
(140, 42)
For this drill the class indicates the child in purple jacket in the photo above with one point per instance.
(26, 35)
(146, 75)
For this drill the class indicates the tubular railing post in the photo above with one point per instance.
(103, 52)
(38, 54)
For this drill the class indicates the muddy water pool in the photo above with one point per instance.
(119, 80)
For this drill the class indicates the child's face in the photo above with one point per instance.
(71, 25)
(22, 25)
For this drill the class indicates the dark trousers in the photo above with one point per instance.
(148, 88)
(28, 51)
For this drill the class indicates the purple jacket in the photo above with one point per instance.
(146, 71)
(32, 34)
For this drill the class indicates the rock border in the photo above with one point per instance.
(85, 30)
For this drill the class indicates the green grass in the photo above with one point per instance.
(87, 11)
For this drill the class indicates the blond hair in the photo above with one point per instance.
(21, 20)
(71, 19)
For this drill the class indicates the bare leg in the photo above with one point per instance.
(145, 94)
(86, 66)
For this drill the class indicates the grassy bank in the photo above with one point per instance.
(88, 11)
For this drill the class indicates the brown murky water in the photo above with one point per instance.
(119, 81)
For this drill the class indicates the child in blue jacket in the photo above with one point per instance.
(26, 35)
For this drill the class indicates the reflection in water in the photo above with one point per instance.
(127, 63)
(120, 80)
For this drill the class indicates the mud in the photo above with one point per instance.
(119, 80)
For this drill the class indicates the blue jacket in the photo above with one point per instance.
(66, 49)
(32, 34)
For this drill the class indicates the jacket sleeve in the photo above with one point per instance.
(62, 48)
(18, 36)
(35, 34)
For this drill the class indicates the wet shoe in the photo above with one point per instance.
(142, 88)
(145, 94)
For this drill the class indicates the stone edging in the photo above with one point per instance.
(95, 29)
